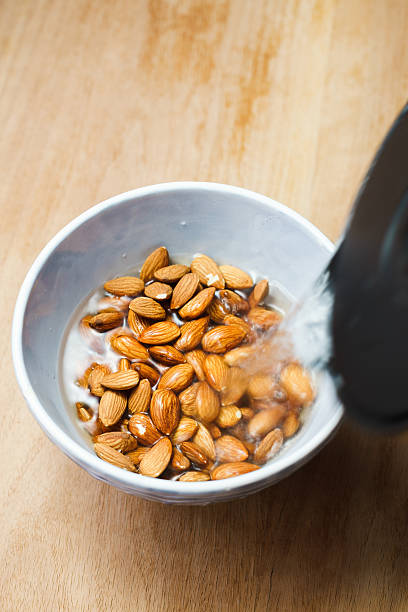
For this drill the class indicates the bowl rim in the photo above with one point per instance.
(85, 457)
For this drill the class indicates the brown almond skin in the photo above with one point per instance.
(111, 407)
(188, 400)
(179, 462)
(177, 378)
(261, 385)
(104, 321)
(141, 426)
(296, 382)
(222, 338)
(147, 371)
(184, 290)
(247, 413)
(259, 293)
(216, 372)
(208, 271)
(160, 333)
(235, 278)
(129, 347)
(124, 364)
(263, 318)
(109, 454)
(95, 379)
(171, 274)
(236, 386)
(229, 470)
(124, 285)
(269, 446)
(121, 381)
(194, 476)
(159, 258)
(207, 402)
(165, 410)
(234, 320)
(218, 310)
(228, 416)
(229, 449)
(118, 440)
(238, 356)
(198, 304)
(290, 425)
(185, 430)
(155, 461)
(139, 398)
(167, 355)
(265, 420)
(136, 323)
(194, 453)
(191, 334)
(204, 441)
(148, 308)
(235, 302)
(136, 455)
(84, 413)
(196, 359)
(158, 291)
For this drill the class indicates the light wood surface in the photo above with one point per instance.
(286, 97)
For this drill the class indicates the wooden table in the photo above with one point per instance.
(286, 97)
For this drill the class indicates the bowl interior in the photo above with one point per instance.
(232, 225)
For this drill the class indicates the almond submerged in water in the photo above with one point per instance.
(165, 410)
(160, 333)
(222, 338)
(184, 290)
(157, 459)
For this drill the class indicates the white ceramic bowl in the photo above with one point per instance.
(231, 224)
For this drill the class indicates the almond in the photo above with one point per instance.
(214, 430)
(147, 371)
(137, 455)
(239, 355)
(177, 377)
(261, 385)
(247, 413)
(233, 301)
(191, 334)
(207, 402)
(208, 271)
(205, 442)
(230, 449)
(84, 413)
(184, 290)
(129, 347)
(118, 440)
(95, 379)
(188, 400)
(155, 461)
(236, 386)
(259, 293)
(234, 320)
(197, 305)
(228, 416)
(265, 420)
(167, 354)
(124, 285)
(184, 430)
(158, 291)
(229, 470)
(111, 407)
(296, 382)
(124, 364)
(160, 333)
(218, 310)
(222, 338)
(165, 410)
(171, 274)
(269, 446)
(103, 321)
(263, 318)
(109, 454)
(194, 476)
(216, 372)
(235, 278)
(139, 398)
(196, 359)
(290, 425)
(121, 381)
(179, 462)
(156, 260)
(113, 303)
(250, 446)
(141, 426)
(136, 323)
(83, 381)
(148, 308)
(194, 453)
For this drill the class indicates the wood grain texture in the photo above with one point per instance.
(286, 97)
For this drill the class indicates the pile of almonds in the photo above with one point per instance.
(179, 405)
